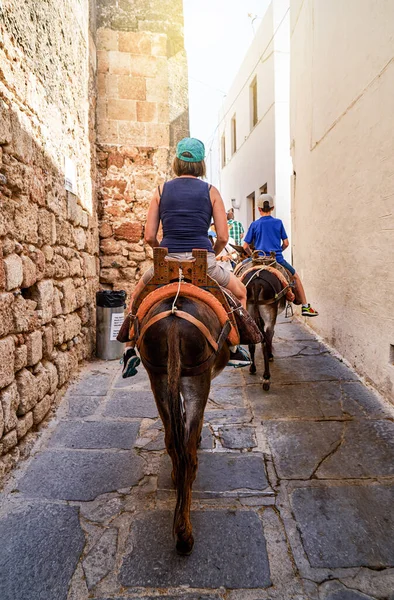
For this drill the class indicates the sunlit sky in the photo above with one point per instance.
(217, 36)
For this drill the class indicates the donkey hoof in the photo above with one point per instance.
(185, 547)
(252, 369)
(266, 386)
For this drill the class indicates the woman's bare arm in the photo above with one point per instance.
(152, 221)
(220, 220)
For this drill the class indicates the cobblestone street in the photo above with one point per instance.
(293, 499)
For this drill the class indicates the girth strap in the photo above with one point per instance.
(183, 315)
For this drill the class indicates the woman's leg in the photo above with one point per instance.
(130, 358)
(236, 286)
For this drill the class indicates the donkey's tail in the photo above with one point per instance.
(177, 422)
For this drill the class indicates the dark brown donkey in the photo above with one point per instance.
(266, 297)
(182, 346)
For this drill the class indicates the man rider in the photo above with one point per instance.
(269, 235)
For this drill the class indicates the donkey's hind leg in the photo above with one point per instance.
(159, 387)
(268, 317)
(195, 392)
(252, 351)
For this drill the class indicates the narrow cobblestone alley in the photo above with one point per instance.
(293, 498)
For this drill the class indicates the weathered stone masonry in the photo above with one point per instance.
(56, 60)
(142, 113)
(48, 236)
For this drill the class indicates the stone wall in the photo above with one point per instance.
(48, 236)
(142, 113)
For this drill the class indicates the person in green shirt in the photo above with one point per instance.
(235, 228)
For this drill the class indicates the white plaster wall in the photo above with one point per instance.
(283, 164)
(262, 154)
(342, 119)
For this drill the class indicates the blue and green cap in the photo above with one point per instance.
(190, 150)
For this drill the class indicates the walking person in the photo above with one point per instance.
(236, 229)
(185, 207)
(269, 235)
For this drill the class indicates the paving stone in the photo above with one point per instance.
(358, 400)
(229, 377)
(94, 383)
(227, 395)
(95, 435)
(316, 400)
(299, 446)
(311, 368)
(79, 475)
(286, 348)
(292, 331)
(207, 442)
(178, 597)
(139, 382)
(207, 439)
(222, 474)
(367, 451)
(156, 444)
(102, 509)
(334, 590)
(131, 404)
(237, 437)
(233, 415)
(346, 526)
(101, 558)
(85, 406)
(345, 594)
(229, 551)
(42, 549)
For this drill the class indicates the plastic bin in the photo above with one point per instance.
(110, 315)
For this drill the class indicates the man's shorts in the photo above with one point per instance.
(288, 266)
(215, 268)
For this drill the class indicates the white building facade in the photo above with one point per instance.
(254, 124)
(342, 124)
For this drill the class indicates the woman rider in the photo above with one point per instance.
(185, 206)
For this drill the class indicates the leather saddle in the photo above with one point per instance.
(259, 263)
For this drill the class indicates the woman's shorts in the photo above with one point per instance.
(215, 269)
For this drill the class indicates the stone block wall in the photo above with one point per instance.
(48, 236)
(141, 115)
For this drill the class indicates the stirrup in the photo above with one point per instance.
(289, 309)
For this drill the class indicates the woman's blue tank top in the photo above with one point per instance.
(185, 212)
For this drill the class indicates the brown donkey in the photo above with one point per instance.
(182, 350)
(265, 299)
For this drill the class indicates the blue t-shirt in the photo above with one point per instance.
(267, 234)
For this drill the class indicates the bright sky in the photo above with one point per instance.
(217, 36)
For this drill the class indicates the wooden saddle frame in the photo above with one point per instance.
(188, 278)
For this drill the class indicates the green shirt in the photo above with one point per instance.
(235, 230)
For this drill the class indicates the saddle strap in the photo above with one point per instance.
(286, 286)
(196, 369)
(190, 291)
(183, 315)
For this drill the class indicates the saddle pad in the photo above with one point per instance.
(289, 294)
(191, 291)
